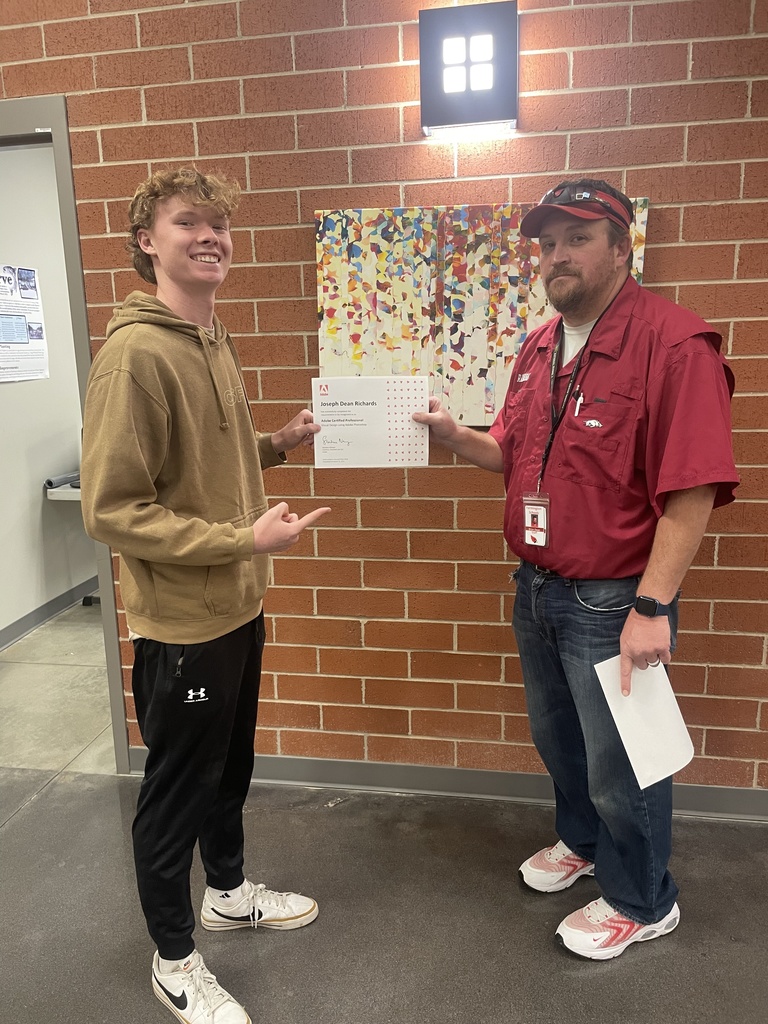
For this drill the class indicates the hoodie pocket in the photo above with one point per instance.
(233, 587)
(137, 587)
(180, 591)
(236, 586)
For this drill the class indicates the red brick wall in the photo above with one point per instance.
(380, 650)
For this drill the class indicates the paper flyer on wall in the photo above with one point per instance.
(23, 341)
(367, 422)
(649, 721)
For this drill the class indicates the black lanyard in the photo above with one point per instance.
(557, 416)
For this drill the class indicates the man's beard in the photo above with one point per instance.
(570, 301)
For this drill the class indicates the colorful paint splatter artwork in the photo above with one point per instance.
(447, 292)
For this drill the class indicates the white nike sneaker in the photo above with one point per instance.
(257, 907)
(192, 993)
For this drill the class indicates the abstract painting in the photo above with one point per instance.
(445, 292)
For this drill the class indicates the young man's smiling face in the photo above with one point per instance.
(190, 246)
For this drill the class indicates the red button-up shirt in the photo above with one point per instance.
(654, 418)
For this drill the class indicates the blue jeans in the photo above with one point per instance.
(563, 628)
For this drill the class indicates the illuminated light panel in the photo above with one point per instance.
(468, 67)
(455, 79)
(455, 50)
(480, 77)
(481, 49)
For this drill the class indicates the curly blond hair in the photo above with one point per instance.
(213, 190)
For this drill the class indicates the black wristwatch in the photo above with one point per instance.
(650, 606)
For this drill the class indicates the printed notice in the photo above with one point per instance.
(367, 422)
(23, 344)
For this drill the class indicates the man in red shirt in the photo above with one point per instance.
(614, 441)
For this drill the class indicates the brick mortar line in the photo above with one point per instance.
(435, 141)
(476, 711)
(707, 282)
(362, 147)
(292, 645)
(400, 25)
(483, 739)
(470, 622)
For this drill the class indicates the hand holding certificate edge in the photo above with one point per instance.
(476, 446)
(300, 430)
(439, 420)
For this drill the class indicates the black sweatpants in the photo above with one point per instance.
(196, 706)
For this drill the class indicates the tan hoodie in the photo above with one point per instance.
(171, 474)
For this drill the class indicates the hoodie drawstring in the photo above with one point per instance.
(224, 422)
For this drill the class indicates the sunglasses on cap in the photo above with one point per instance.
(589, 204)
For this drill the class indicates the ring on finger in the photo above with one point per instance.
(653, 664)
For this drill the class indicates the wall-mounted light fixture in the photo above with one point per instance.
(468, 66)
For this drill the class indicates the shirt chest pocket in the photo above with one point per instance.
(517, 415)
(593, 448)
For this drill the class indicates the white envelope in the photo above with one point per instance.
(649, 721)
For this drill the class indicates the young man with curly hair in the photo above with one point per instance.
(172, 480)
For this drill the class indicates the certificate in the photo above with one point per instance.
(648, 720)
(367, 422)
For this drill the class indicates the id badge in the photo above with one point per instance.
(536, 519)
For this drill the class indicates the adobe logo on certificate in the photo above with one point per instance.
(367, 422)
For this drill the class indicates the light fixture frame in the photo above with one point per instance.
(498, 105)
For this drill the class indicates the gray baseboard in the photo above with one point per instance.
(522, 787)
(19, 628)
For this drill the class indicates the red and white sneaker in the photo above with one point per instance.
(554, 868)
(599, 932)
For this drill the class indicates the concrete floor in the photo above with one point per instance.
(422, 918)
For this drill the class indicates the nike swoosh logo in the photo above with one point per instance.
(228, 917)
(180, 1001)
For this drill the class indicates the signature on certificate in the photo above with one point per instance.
(334, 444)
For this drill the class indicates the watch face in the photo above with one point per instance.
(646, 606)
